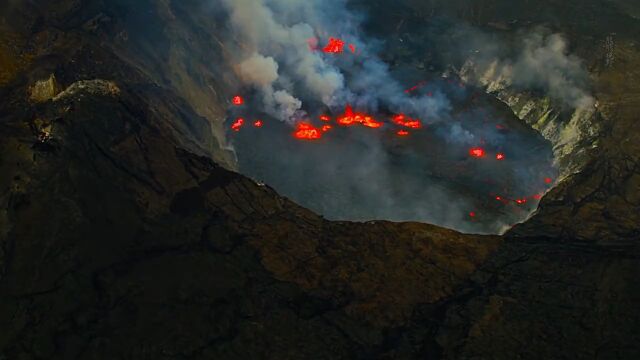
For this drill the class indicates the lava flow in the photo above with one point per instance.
(499, 156)
(476, 152)
(237, 100)
(352, 118)
(237, 124)
(306, 131)
(335, 46)
(416, 87)
(403, 120)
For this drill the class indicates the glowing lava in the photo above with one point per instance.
(335, 46)
(416, 87)
(476, 152)
(237, 100)
(353, 118)
(521, 201)
(306, 131)
(352, 48)
(403, 120)
(402, 133)
(325, 117)
(237, 124)
(257, 123)
(326, 128)
(548, 180)
(499, 156)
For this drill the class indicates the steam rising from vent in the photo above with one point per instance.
(275, 58)
(542, 62)
(545, 63)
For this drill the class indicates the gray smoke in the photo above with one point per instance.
(273, 37)
(540, 61)
(545, 63)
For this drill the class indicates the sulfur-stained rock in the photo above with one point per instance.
(43, 90)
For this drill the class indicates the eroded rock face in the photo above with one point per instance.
(574, 134)
(121, 238)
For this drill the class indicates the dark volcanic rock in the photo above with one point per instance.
(120, 237)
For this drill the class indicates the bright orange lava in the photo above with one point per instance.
(325, 118)
(326, 128)
(499, 156)
(257, 123)
(237, 100)
(237, 124)
(335, 46)
(476, 152)
(403, 120)
(352, 118)
(306, 131)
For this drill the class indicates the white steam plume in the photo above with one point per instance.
(274, 36)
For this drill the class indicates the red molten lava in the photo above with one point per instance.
(499, 156)
(352, 48)
(521, 201)
(326, 128)
(237, 124)
(335, 46)
(403, 120)
(548, 180)
(325, 118)
(472, 214)
(476, 152)
(402, 133)
(306, 131)
(237, 100)
(416, 87)
(257, 123)
(353, 118)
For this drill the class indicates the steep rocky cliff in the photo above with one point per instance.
(123, 234)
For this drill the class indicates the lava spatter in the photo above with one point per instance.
(477, 152)
(306, 131)
(237, 100)
(335, 46)
(403, 120)
(350, 118)
(237, 124)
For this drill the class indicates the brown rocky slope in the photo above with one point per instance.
(121, 237)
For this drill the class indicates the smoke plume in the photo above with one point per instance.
(275, 58)
(353, 175)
